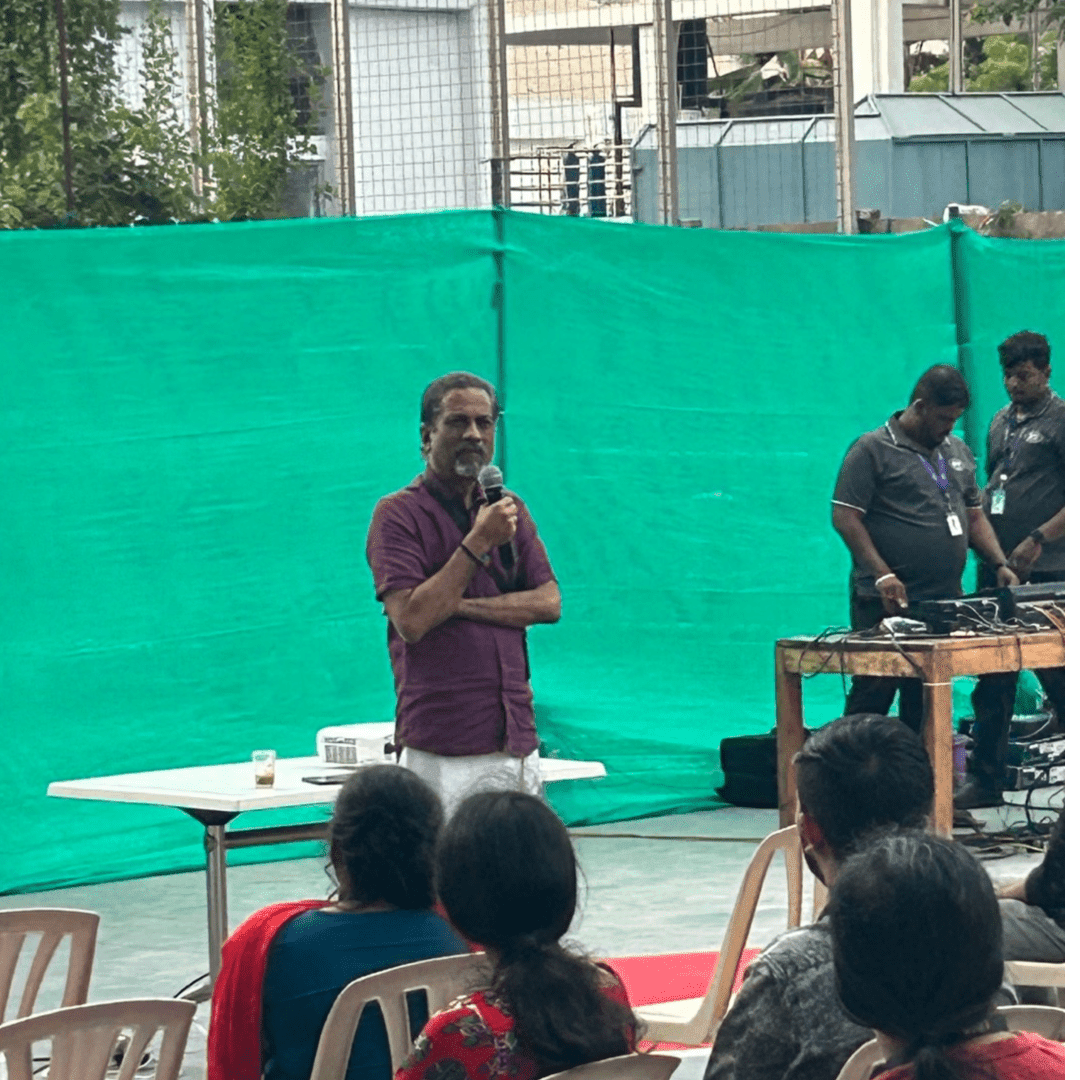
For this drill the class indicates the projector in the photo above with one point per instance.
(355, 744)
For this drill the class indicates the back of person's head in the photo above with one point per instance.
(916, 933)
(382, 837)
(507, 876)
(1026, 345)
(942, 385)
(861, 773)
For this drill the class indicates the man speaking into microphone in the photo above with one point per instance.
(461, 573)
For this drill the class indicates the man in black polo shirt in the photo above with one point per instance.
(1024, 500)
(907, 506)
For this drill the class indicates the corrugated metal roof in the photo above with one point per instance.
(881, 117)
(1047, 109)
(911, 116)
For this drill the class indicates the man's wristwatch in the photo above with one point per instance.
(1037, 536)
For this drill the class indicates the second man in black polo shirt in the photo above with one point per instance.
(1024, 500)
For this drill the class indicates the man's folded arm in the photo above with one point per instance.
(517, 609)
(417, 610)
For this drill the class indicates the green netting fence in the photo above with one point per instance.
(198, 421)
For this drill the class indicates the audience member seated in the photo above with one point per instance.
(283, 967)
(916, 935)
(1033, 908)
(857, 774)
(507, 877)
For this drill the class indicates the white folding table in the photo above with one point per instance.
(215, 794)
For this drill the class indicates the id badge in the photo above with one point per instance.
(955, 528)
(997, 501)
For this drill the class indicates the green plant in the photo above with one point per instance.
(158, 140)
(136, 164)
(1007, 10)
(1004, 217)
(1004, 63)
(933, 81)
(31, 151)
(1007, 65)
(793, 67)
(258, 135)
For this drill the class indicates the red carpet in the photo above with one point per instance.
(670, 977)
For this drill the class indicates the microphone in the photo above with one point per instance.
(490, 478)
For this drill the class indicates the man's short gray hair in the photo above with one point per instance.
(432, 399)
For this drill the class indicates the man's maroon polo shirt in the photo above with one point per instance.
(463, 688)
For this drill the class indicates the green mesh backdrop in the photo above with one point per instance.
(680, 402)
(1009, 286)
(199, 420)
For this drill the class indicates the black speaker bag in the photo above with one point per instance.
(749, 764)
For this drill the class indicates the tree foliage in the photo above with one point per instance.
(807, 70)
(31, 150)
(1002, 62)
(157, 136)
(1005, 11)
(134, 162)
(258, 133)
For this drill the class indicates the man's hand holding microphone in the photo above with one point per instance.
(495, 525)
(496, 521)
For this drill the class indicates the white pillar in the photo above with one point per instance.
(877, 28)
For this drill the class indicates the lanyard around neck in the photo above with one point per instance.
(1012, 438)
(942, 478)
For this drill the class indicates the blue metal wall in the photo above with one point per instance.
(732, 186)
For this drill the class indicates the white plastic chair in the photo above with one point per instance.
(53, 924)
(1030, 973)
(442, 978)
(692, 1021)
(1045, 1020)
(86, 1038)
(862, 1062)
(626, 1067)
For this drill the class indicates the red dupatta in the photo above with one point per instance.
(234, 1046)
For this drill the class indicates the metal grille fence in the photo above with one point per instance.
(576, 107)
(583, 108)
(720, 113)
(576, 181)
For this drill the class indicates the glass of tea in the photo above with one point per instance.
(264, 767)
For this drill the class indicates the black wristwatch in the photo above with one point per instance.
(1037, 536)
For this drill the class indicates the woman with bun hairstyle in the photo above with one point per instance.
(284, 966)
(917, 946)
(507, 877)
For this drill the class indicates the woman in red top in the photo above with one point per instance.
(507, 877)
(916, 935)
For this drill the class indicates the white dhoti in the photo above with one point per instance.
(454, 778)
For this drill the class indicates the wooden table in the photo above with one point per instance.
(934, 660)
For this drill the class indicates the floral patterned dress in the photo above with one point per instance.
(473, 1038)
